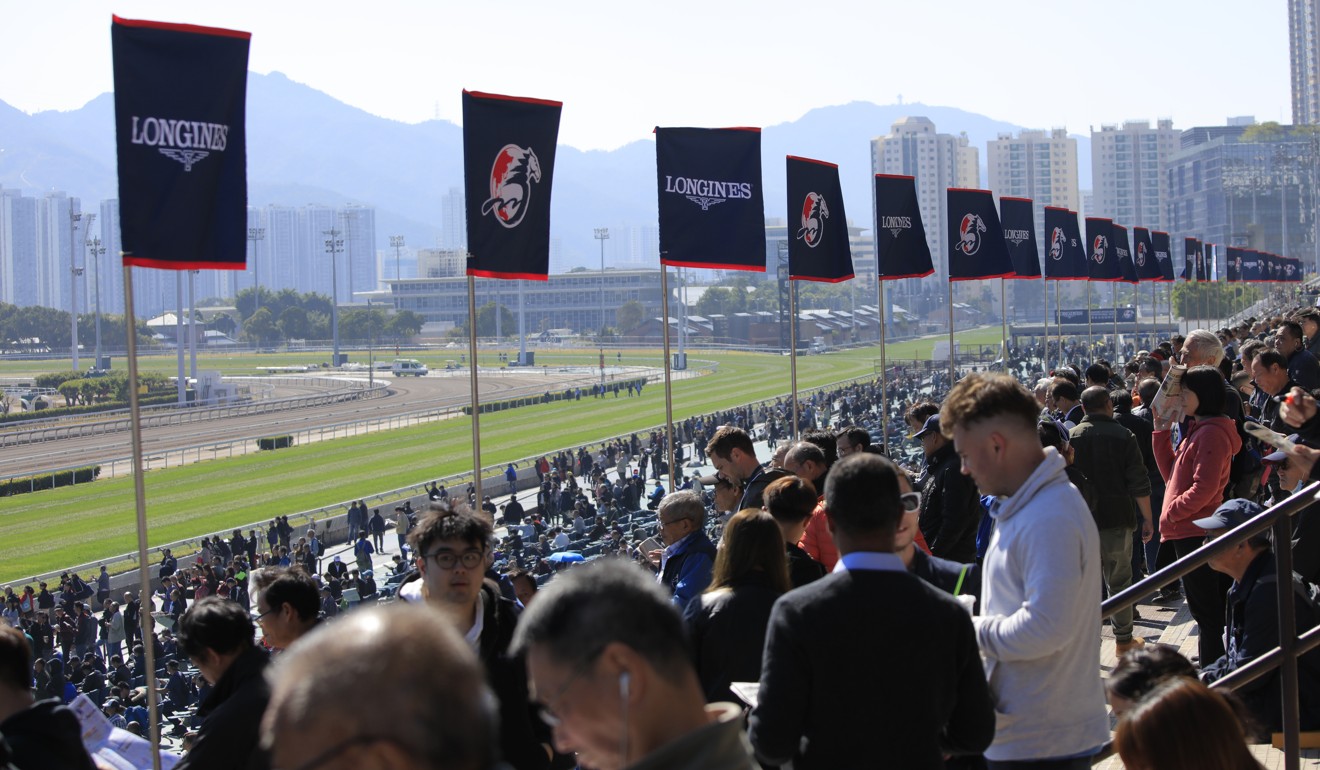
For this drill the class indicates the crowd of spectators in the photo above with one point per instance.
(932, 607)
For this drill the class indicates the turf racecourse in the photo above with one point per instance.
(53, 529)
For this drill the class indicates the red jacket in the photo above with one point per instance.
(817, 540)
(1196, 473)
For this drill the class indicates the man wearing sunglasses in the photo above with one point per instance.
(452, 554)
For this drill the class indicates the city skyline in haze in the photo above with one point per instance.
(620, 70)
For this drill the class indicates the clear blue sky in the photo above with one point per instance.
(623, 67)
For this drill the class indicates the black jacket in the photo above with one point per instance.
(802, 569)
(46, 736)
(521, 730)
(867, 668)
(1253, 630)
(950, 507)
(727, 629)
(949, 576)
(231, 718)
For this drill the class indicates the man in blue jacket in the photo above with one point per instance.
(689, 556)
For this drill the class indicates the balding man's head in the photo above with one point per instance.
(1095, 400)
(806, 460)
(441, 714)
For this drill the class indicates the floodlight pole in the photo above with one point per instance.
(602, 234)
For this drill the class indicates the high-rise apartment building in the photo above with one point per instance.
(1037, 165)
(1127, 172)
(938, 161)
(1304, 50)
(453, 220)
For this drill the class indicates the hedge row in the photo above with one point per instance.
(49, 481)
(274, 442)
(567, 395)
(65, 411)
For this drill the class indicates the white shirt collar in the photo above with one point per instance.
(870, 560)
(473, 636)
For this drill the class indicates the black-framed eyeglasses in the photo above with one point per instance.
(333, 751)
(448, 559)
(911, 501)
(547, 708)
(260, 616)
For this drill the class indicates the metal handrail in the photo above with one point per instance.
(1276, 518)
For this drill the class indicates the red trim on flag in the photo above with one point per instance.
(1067, 278)
(895, 176)
(1060, 208)
(524, 99)
(161, 264)
(910, 275)
(1022, 200)
(712, 266)
(1020, 277)
(192, 28)
(508, 276)
(979, 277)
(813, 160)
(847, 277)
(967, 189)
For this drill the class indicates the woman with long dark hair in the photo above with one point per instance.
(1183, 725)
(1196, 474)
(728, 622)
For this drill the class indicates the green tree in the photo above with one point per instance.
(629, 316)
(1212, 300)
(293, 323)
(486, 322)
(260, 327)
(404, 325)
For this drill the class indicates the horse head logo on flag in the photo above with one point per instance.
(969, 234)
(511, 178)
(1098, 248)
(1057, 243)
(1141, 254)
(814, 214)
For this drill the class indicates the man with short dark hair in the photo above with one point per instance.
(452, 553)
(609, 665)
(831, 657)
(1269, 371)
(1039, 627)
(1303, 367)
(852, 439)
(288, 606)
(807, 461)
(217, 636)
(1064, 397)
(689, 555)
(734, 457)
(1108, 453)
(42, 735)
(439, 713)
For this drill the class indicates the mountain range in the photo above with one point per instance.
(305, 147)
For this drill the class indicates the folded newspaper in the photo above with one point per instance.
(1168, 403)
(112, 747)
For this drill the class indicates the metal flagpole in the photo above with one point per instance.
(951, 362)
(884, 371)
(1003, 316)
(1090, 333)
(147, 604)
(1058, 327)
(178, 336)
(669, 386)
(474, 397)
(1114, 296)
(792, 353)
(1045, 357)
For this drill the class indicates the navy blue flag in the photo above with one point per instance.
(1269, 267)
(1195, 262)
(1159, 241)
(181, 133)
(1127, 269)
(976, 239)
(1065, 257)
(712, 213)
(1143, 255)
(508, 171)
(818, 248)
(1101, 262)
(1251, 271)
(1233, 273)
(1209, 263)
(901, 250)
(1292, 269)
(1019, 221)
